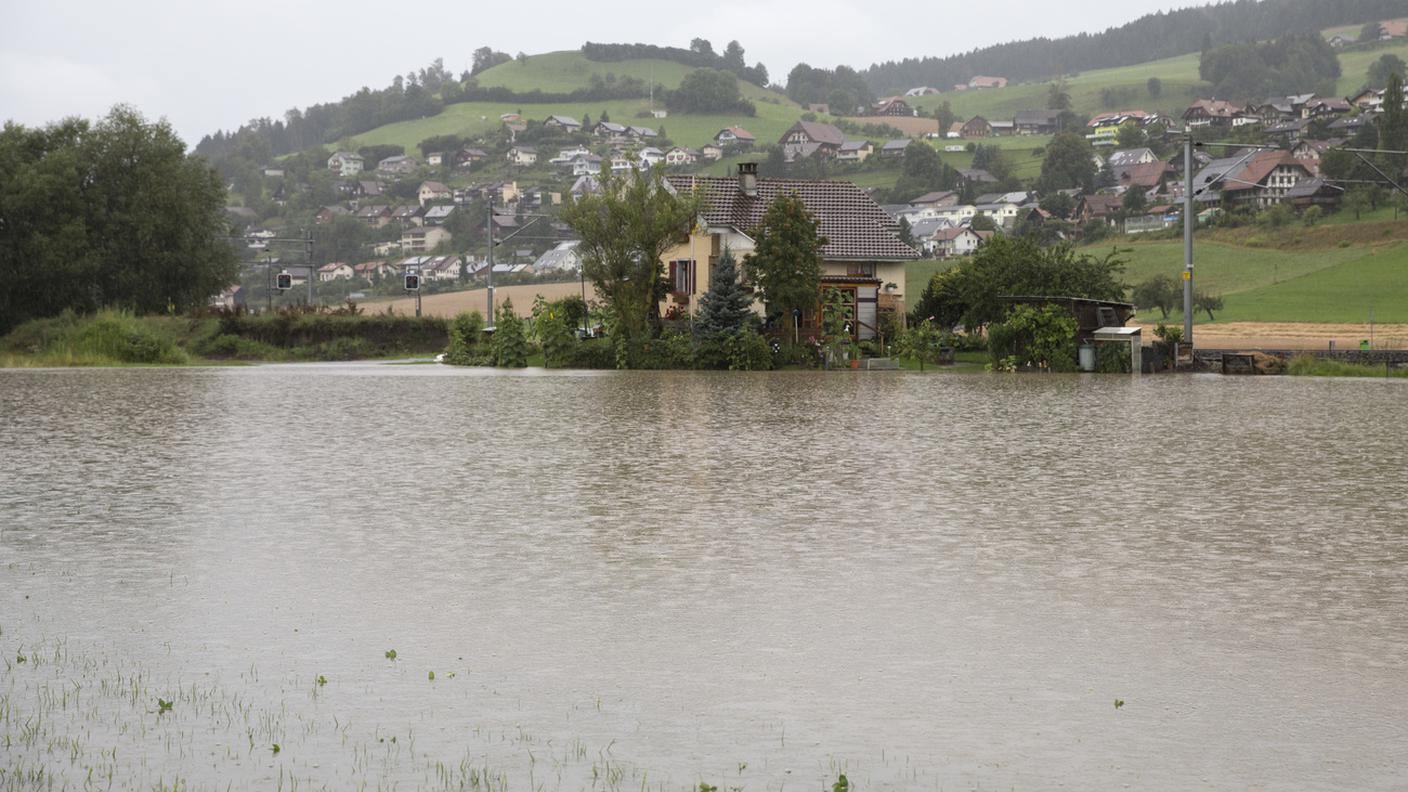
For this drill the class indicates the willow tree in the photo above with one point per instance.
(625, 230)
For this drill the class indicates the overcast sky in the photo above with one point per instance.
(213, 64)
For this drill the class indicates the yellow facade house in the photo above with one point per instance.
(864, 258)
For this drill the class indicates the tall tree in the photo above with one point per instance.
(1385, 67)
(625, 230)
(1057, 97)
(1393, 124)
(785, 265)
(1069, 163)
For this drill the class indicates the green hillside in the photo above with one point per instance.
(1179, 76)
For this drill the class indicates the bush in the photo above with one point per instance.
(1112, 359)
(747, 350)
(1044, 337)
(466, 347)
(1311, 216)
(672, 350)
(509, 345)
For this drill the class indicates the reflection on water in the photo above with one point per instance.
(750, 580)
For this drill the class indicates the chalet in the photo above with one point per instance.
(650, 156)
(863, 259)
(1211, 112)
(374, 216)
(620, 163)
(345, 163)
(399, 164)
(431, 191)
(894, 149)
(959, 241)
(807, 138)
(681, 155)
(892, 106)
(368, 189)
(976, 127)
(1128, 157)
(1261, 180)
(423, 239)
(1368, 99)
(435, 159)
(855, 151)
(641, 133)
(1288, 132)
(1036, 122)
(437, 215)
(565, 123)
(987, 82)
(712, 152)
(735, 138)
(522, 156)
(336, 270)
(1347, 126)
(1309, 152)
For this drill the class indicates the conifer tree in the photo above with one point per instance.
(510, 342)
(725, 308)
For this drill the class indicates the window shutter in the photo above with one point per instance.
(673, 282)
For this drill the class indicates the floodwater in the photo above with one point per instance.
(653, 580)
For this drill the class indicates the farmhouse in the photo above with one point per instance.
(808, 138)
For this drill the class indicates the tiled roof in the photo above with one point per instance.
(854, 225)
(818, 132)
(1146, 174)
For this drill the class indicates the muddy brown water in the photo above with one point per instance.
(649, 580)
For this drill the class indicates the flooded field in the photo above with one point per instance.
(381, 576)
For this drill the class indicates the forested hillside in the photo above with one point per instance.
(1151, 37)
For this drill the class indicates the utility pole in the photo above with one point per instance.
(308, 251)
(489, 268)
(1189, 218)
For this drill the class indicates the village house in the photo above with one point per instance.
(1259, 181)
(399, 164)
(345, 163)
(620, 163)
(433, 191)
(442, 268)
(1036, 122)
(1003, 128)
(325, 214)
(562, 258)
(408, 215)
(641, 133)
(1211, 112)
(735, 138)
(936, 200)
(1125, 158)
(466, 158)
(374, 216)
(923, 232)
(955, 241)
(855, 151)
(650, 157)
(336, 270)
(611, 131)
(435, 159)
(976, 176)
(892, 106)
(1004, 213)
(586, 165)
(423, 239)
(863, 258)
(1314, 192)
(437, 215)
(372, 271)
(955, 130)
(807, 138)
(976, 127)
(712, 152)
(565, 156)
(522, 156)
(565, 123)
(681, 155)
(893, 149)
(585, 185)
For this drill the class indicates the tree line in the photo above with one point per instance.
(699, 55)
(1291, 64)
(107, 214)
(1160, 35)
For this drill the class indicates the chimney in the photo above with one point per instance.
(748, 178)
